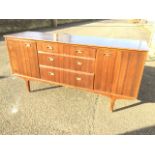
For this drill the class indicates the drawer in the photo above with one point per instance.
(81, 51)
(50, 74)
(47, 46)
(84, 65)
(50, 60)
(77, 79)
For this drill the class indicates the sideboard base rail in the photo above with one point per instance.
(113, 97)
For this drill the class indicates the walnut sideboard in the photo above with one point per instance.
(111, 67)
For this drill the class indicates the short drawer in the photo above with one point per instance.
(80, 51)
(84, 65)
(50, 74)
(47, 46)
(50, 60)
(77, 79)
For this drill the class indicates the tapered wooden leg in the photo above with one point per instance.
(28, 84)
(112, 104)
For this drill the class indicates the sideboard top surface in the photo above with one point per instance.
(84, 40)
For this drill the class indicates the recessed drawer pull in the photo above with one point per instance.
(27, 44)
(79, 51)
(50, 47)
(107, 54)
(79, 63)
(51, 59)
(78, 78)
(51, 73)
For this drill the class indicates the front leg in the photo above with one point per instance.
(112, 103)
(28, 84)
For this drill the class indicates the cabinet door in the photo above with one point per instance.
(130, 74)
(106, 70)
(23, 57)
(119, 71)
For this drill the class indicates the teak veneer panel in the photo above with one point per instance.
(23, 57)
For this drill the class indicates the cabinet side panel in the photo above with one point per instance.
(141, 57)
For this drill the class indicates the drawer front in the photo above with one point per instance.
(81, 51)
(77, 79)
(50, 60)
(50, 74)
(47, 46)
(78, 64)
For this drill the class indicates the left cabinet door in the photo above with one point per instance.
(23, 57)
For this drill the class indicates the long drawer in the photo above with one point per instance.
(84, 80)
(85, 65)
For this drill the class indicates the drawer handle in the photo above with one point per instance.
(79, 51)
(51, 59)
(51, 73)
(50, 47)
(28, 45)
(78, 78)
(107, 54)
(79, 63)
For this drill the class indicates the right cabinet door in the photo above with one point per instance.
(119, 71)
(106, 70)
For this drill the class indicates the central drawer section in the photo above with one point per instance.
(68, 64)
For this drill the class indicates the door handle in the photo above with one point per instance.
(51, 59)
(50, 47)
(107, 54)
(79, 63)
(78, 78)
(27, 44)
(79, 51)
(51, 73)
